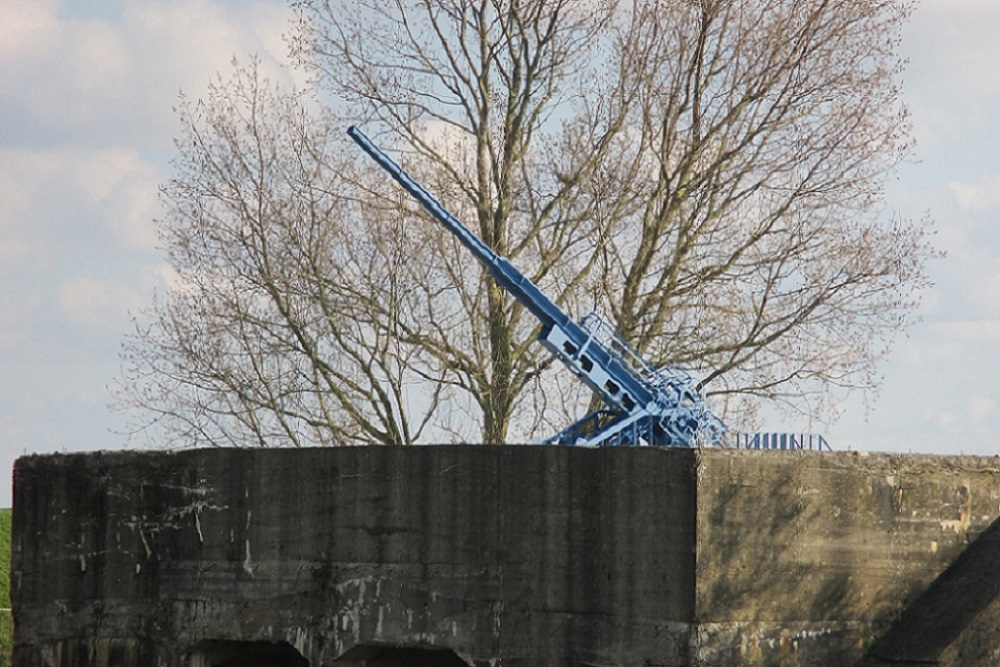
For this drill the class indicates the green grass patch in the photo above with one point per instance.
(5, 528)
(6, 620)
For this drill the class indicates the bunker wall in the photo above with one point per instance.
(532, 555)
(518, 555)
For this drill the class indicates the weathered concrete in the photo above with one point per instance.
(511, 556)
(538, 556)
(806, 558)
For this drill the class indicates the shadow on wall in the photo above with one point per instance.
(225, 653)
(390, 656)
(220, 653)
(742, 569)
(951, 604)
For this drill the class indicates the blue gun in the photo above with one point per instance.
(642, 405)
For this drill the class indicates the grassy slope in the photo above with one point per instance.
(5, 518)
(6, 624)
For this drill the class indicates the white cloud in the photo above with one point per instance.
(14, 255)
(967, 280)
(18, 307)
(983, 195)
(953, 43)
(983, 413)
(956, 344)
(985, 293)
(12, 429)
(940, 395)
(951, 83)
(18, 172)
(52, 196)
(977, 332)
(116, 80)
(86, 127)
(24, 27)
(100, 304)
(123, 188)
(945, 418)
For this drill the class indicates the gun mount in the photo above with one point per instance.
(642, 405)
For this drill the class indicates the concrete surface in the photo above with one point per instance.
(808, 558)
(517, 556)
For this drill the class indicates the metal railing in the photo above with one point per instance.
(781, 441)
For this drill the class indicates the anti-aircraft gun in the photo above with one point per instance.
(642, 405)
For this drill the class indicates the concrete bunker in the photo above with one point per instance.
(230, 653)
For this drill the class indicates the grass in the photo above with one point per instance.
(6, 620)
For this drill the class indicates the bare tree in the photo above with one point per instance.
(709, 172)
(745, 227)
(285, 322)
(472, 89)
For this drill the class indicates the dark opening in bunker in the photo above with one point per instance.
(392, 656)
(226, 653)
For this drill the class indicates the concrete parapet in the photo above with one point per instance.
(517, 556)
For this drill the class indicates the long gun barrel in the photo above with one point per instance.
(642, 405)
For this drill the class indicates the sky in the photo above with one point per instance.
(87, 92)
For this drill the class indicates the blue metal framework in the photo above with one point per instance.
(642, 405)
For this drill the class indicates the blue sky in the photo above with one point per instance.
(86, 131)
